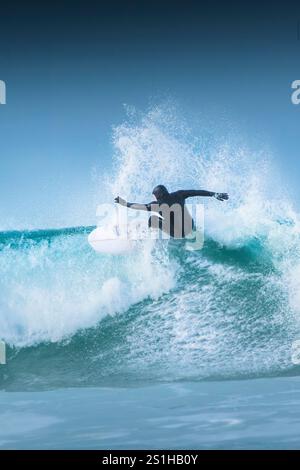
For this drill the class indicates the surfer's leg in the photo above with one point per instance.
(188, 229)
(154, 222)
(158, 223)
(188, 223)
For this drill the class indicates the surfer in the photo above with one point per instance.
(173, 216)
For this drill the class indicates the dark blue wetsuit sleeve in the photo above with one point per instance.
(184, 193)
(151, 206)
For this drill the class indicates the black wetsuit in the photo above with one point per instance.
(177, 226)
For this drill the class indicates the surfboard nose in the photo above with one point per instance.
(109, 241)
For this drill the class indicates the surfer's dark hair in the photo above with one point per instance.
(159, 191)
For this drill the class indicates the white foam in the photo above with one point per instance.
(50, 292)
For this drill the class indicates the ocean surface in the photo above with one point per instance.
(193, 350)
(163, 347)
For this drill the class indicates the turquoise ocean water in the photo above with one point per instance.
(207, 363)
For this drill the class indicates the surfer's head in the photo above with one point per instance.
(160, 191)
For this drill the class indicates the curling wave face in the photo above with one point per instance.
(72, 317)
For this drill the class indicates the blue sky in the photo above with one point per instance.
(69, 70)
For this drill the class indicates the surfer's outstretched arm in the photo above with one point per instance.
(201, 192)
(135, 205)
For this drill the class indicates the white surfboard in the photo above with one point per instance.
(109, 240)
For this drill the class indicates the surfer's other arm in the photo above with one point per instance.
(201, 192)
(133, 205)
